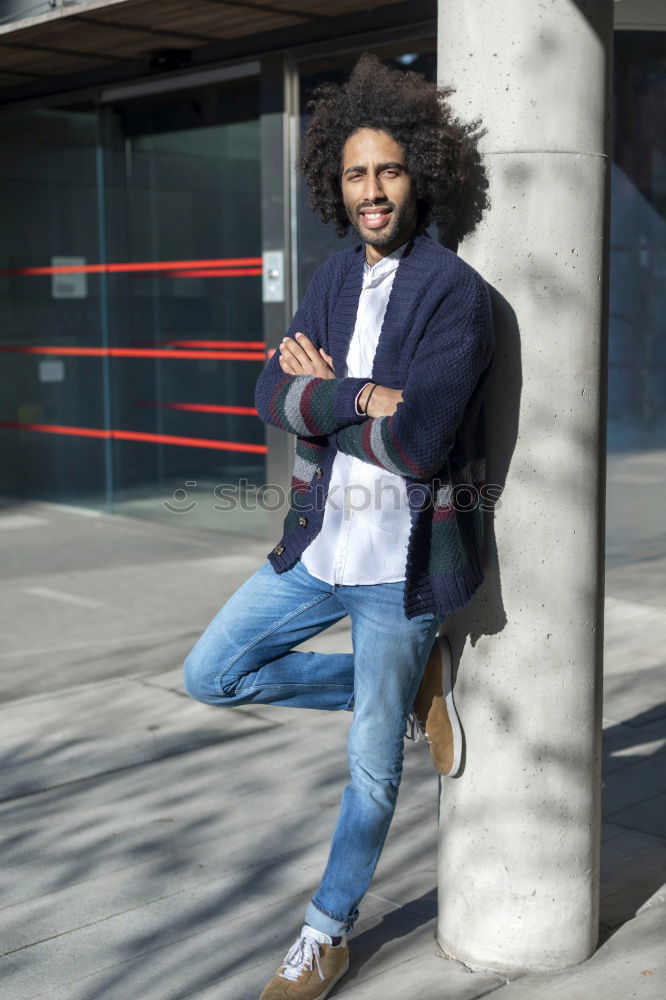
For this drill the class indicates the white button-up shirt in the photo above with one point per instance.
(366, 524)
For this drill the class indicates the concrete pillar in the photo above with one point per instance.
(519, 842)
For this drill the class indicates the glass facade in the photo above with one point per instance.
(131, 287)
(635, 536)
(637, 362)
(130, 283)
(51, 335)
(183, 211)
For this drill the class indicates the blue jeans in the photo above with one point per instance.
(246, 656)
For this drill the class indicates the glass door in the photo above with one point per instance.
(53, 437)
(182, 219)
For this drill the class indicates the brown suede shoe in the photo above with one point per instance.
(311, 968)
(435, 712)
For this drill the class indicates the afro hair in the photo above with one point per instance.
(441, 151)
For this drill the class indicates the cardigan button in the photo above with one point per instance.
(318, 472)
(303, 521)
(278, 550)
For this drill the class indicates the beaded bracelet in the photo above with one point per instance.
(365, 411)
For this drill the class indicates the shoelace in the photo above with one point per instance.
(302, 954)
(413, 728)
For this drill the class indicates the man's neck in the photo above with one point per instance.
(374, 254)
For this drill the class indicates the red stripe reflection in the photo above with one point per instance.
(258, 345)
(135, 352)
(217, 272)
(139, 266)
(96, 432)
(201, 407)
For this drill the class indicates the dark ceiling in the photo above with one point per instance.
(93, 36)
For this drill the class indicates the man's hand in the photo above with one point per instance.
(383, 402)
(299, 356)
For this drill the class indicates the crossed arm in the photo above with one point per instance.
(299, 356)
(408, 432)
(301, 394)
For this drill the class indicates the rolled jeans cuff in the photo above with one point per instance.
(327, 925)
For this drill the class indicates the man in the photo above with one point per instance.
(380, 378)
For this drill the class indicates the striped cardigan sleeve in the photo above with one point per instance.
(306, 404)
(453, 355)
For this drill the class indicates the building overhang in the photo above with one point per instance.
(101, 41)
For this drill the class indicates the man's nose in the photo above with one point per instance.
(372, 189)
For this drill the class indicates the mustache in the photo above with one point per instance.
(375, 207)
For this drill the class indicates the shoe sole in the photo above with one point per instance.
(341, 973)
(446, 660)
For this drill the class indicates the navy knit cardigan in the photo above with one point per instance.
(436, 344)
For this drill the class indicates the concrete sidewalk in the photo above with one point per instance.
(157, 849)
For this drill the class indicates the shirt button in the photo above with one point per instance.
(278, 550)
(302, 521)
(318, 472)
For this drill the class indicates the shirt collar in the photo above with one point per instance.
(385, 265)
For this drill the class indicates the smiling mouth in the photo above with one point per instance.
(376, 217)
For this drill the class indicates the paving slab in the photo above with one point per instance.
(159, 849)
(235, 962)
(635, 536)
(625, 744)
(631, 965)
(95, 598)
(639, 783)
(635, 645)
(634, 870)
(53, 741)
(649, 816)
(638, 895)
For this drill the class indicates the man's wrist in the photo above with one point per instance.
(347, 403)
(367, 386)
